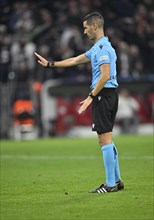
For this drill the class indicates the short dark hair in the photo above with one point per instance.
(94, 16)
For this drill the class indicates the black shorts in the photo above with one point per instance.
(104, 109)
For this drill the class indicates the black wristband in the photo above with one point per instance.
(91, 95)
(51, 63)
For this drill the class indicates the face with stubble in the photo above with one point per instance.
(89, 30)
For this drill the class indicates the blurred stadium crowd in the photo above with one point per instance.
(53, 28)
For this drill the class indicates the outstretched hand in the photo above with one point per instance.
(41, 60)
(85, 103)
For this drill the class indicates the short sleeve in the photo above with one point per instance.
(103, 55)
(88, 53)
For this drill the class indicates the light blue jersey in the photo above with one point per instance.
(103, 52)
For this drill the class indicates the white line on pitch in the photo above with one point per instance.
(71, 157)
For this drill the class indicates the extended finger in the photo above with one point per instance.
(39, 62)
(81, 109)
(38, 55)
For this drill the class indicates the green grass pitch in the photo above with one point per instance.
(49, 179)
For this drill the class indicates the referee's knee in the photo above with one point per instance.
(100, 141)
(104, 139)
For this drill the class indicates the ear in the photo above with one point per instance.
(94, 26)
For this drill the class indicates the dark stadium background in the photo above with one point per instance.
(37, 102)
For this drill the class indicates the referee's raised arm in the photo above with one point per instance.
(73, 61)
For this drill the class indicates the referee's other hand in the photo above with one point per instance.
(84, 104)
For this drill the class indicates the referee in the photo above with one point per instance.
(103, 95)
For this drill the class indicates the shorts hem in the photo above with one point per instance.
(103, 132)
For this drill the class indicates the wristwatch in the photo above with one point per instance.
(91, 95)
(50, 63)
